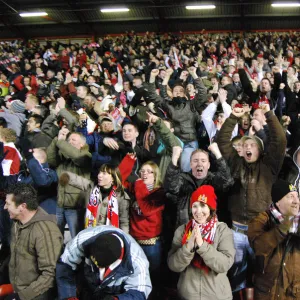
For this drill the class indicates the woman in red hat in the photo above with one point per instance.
(203, 251)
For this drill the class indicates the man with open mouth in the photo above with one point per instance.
(275, 236)
(254, 174)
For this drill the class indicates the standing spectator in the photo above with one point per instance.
(35, 245)
(275, 236)
(70, 154)
(107, 203)
(203, 251)
(180, 185)
(253, 174)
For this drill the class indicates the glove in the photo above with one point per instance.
(26, 147)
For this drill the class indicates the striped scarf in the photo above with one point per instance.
(208, 231)
(280, 218)
(104, 272)
(93, 207)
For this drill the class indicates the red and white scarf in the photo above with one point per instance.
(113, 209)
(93, 207)
(208, 231)
(280, 218)
(104, 272)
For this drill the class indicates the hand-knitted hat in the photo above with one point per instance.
(105, 250)
(256, 139)
(205, 194)
(280, 189)
(17, 106)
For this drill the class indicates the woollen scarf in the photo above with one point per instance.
(93, 207)
(280, 218)
(207, 231)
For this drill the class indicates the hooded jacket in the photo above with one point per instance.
(35, 248)
(251, 192)
(64, 157)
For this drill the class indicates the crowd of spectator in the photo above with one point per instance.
(172, 160)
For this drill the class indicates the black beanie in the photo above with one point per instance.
(280, 189)
(105, 250)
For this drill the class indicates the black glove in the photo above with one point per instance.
(13, 296)
(2, 154)
(26, 147)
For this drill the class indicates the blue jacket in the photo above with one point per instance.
(130, 280)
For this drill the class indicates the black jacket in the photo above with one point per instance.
(179, 187)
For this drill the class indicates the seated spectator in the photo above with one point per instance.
(203, 244)
(115, 266)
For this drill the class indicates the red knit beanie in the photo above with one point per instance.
(205, 194)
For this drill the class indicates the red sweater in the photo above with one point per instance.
(146, 215)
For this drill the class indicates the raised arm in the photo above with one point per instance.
(277, 142)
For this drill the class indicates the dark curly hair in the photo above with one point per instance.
(24, 193)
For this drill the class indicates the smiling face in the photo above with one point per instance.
(200, 212)
(200, 165)
(129, 133)
(13, 210)
(289, 204)
(250, 151)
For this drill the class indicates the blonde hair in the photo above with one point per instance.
(199, 151)
(156, 173)
(115, 174)
(8, 134)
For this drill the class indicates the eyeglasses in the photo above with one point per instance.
(146, 172)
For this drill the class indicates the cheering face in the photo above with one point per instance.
(147, 174)
(200, 165)
(289, 204)
(178, 91)
(200, 212)
(251, 152)
(245, 122)
(105, 180)
(265, 86)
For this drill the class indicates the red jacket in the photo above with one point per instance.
(146, 214)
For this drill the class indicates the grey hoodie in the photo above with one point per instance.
(14, 121)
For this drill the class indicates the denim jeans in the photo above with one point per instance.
(244, 257)
(73, 217)
(49, 206)
(5, 225)
(153, 254)
(188, 148)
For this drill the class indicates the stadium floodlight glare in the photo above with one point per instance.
(290, 4)
(109, 10)
(33, 14)
(200, 7)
